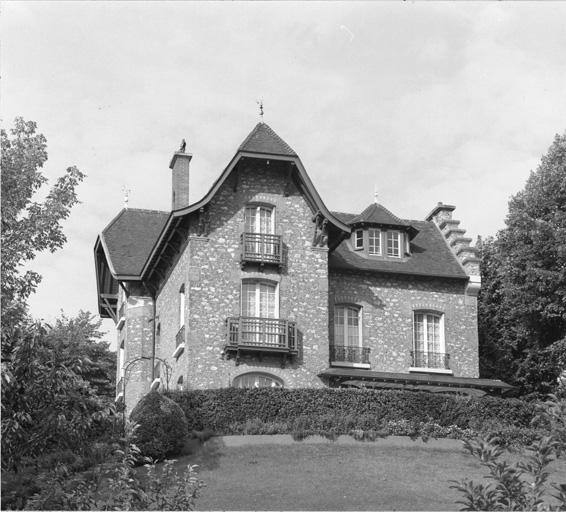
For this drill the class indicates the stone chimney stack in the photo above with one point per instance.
(180, 189)
(459, 244)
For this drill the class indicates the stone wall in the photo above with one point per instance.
(209, 267)
(388, 302)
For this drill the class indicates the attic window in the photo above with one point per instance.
(394, 244)
(381, 243)
(359, 239)
(374, 239)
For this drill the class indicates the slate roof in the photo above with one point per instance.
(376, 213)
(130, 237)
(430, 255)
(263, 139)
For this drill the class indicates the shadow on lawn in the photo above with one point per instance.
(205, 454)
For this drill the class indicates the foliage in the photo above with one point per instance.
(162, 426)
(47, 405)
(161, 488)
(522, 307)
(28, 226)
(340, 411)
(519, 486)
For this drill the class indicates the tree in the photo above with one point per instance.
(28, 226)
(523, 305)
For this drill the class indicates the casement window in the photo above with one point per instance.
(428, 341)
(374, 242)
(260, 299)
(259, 219)
(182, 306)
(394, 244)
(180, 385)
(257, 380)
(348, 326)
(359, 239)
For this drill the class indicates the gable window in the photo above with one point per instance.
(259, 219)
(394, 244)
(347, 326)
(359, 239)
(374, 242)
(257, 380)
(428, 341)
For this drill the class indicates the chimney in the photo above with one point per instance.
(458, 243)
(180, 189)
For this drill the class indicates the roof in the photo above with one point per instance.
(130, 237)
(263, 139)
(430, 255)
(376, 213)
(412, 379)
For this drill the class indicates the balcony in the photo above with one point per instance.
(179, 343)
(120, 390)
(260, 335)
(156, 376)
(261, 248)
(354, 357)
(434, 362)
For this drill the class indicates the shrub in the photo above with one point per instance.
(162, 426)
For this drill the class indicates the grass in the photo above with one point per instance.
(364, 476)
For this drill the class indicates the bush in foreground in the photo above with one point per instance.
(162, 426)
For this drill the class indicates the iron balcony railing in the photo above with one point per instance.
(180, 337)
(261, 248)
(434, 360)
(269, 334)
(345, 354)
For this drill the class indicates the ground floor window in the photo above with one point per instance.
(257, 380)
(428, 340)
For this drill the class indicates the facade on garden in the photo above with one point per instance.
(259, 284)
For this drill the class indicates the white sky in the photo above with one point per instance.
(452, 102)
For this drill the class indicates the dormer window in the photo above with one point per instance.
(394, 244)
(359, 239)
(374, 242)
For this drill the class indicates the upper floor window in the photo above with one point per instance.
(260, 299)
(374, 242)
(257, 380)
(359, 239)
(428, 341)
(394, 244)
(182, 306)
(259, 219)
(347, 326)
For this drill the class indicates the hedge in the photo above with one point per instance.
(228, 411)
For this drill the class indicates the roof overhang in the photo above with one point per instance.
(416, 381)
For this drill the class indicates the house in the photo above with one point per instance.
(259, 284)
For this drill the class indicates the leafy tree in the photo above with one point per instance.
(522, 308)
(28, 226)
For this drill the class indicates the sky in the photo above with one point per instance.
(425, 102)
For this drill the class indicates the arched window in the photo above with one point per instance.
(259, 219)
(182, 306)
(428, 341)
(180, 385)
(257, 380)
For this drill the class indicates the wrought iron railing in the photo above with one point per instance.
(261, 333)
(434, 360)
(345, 354)
(261, 248)
(180, 337)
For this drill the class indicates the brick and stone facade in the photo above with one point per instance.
(183, 274)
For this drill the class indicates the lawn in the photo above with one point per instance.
(328, 476)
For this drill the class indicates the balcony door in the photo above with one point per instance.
(259, 219)
(347, 326)
(259, 304)
(428, 340)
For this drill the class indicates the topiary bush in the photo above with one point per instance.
(162, 424)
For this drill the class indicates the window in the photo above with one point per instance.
(259, 219)
(180, 383)
(394, 244)
(259, 299)
(428, 340)
(122, 356)
(182, 306)
(359, 240)
(374, 245)
(347, 326)
(257, 380)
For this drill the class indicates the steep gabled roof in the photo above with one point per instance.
(430, 256)
(130, 237)
(263, 139)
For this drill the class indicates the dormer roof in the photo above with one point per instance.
(263, 139)
(377, 214)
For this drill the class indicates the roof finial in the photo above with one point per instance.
(126, 196)
(260, 103)
(375, 194)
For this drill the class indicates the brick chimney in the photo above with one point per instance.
(180, 189)
(459, 244)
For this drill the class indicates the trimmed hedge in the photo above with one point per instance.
(228, 411)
